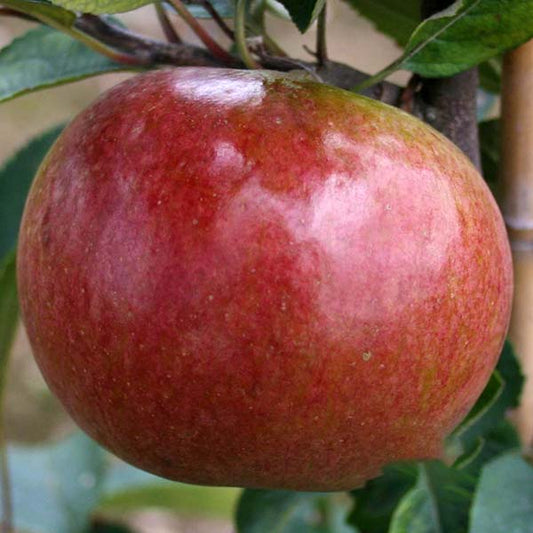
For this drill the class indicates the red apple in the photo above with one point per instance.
(238, 278)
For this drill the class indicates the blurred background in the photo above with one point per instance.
(33, 416)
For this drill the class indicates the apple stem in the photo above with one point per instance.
(240, 35)
(168, 28)
(516, 173)
(202, 34)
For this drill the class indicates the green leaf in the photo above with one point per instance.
(225, 8)
(15, 180)
(279, 511)
(54, 488)
(8, 312)
(490, 75)
(376, 501)
(127, 488)
(501, 439)
(439, 502)
(101, 6)
(467, 33)
(503, 502)
(490, 409)
(395, 18)
(44, 57)
(44, 11)
(303, 12)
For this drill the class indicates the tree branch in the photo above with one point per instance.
(449, 104)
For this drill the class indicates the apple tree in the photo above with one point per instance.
(460, 57)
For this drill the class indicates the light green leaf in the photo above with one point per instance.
(467, 33)
(503, 502)
(438, 503)
(126, 488)
(303, 12)
(15, 180)
(101, 6)
(8, 312)
(44, 57)
(395, 18)
(225, 8)
(43, 10)
(54, 488)
(281, 511)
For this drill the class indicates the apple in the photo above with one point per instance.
(240, 278)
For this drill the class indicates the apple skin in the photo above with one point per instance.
(238, 278)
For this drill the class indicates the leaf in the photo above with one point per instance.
(280, 511)
(467, 33)
(57, 488)
(376, 501)
(395, 18)
(8, 311)
(225, 8)
(54, 488)
(503, 502)
(438, 503)
(99, 7)
(489, 411)
(126, 488)
(15, 180)
(501, 439)
(44, 57)
(303, 12)
(490, 75)
(44, 11)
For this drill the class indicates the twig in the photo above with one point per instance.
(321, 46)
(215, 15)
(146, 52)
(240, 35)
(6, 12)
(168, 29)
(198, 29)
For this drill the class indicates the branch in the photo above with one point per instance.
(449, 104)
(144, 51)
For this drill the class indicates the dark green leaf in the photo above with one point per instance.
(8, 311)
(489, 139)
(503, 502)
(44, 57)
(15, 180)
(395, 18)
(490, 75)
(501, 439)
(303, 12)
(489, 410)
(439, 502)
(278, 511)
(54, 488)
(376, 501)
(101, 6)
(467, 33)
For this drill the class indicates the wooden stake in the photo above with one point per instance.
(517, 178)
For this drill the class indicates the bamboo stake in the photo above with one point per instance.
(517, 178)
